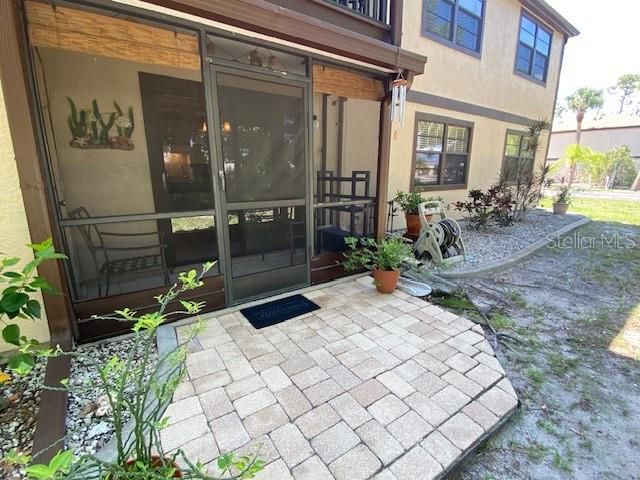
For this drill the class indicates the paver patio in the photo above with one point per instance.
(369, 386)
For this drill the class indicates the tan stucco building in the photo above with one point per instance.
(479, 86)
(256, 133)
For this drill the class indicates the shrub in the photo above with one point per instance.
(16, 302)
(484, 207)
(371, 255)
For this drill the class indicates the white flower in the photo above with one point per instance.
(123, 122)
(91, 118)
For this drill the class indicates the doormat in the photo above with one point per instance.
(278, 311)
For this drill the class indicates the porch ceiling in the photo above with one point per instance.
(269, 19)
(369, 383)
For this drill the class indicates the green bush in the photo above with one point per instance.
(371, 255)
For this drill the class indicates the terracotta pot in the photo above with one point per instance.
(156, 461)
(413, 224)
(386, 280)
(560, 208)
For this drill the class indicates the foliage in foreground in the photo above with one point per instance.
(17, 302)
(371, 255)
(139, 451)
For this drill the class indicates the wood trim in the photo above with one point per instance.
(212, 293)
(397, 8)
(339, 15)
(384, 154)
(326, 267)
(273, 20)
(34, 193)
(463, 107)
(52, 414)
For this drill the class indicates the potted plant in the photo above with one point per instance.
(409, 203)
(383, 258)
(562, 200)
(139, 451)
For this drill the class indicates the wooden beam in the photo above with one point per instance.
(23, 136)
(276, 21)
(384, 153)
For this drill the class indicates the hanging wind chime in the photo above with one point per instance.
(398, 98)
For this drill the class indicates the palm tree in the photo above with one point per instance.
(580, 102)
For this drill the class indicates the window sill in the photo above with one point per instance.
(530, 78)
(452, 45)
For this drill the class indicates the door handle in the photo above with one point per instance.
(223, 183)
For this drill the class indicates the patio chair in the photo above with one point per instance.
(106, 266)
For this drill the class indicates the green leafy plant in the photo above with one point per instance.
(371, 255)
(564, 194)
(139, 451)
(409, 202)
(17, 302)
(484, 207)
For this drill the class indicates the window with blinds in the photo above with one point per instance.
(518, 160)
(456, 22)
(442, 154)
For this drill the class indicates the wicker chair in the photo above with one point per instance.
(106, 266)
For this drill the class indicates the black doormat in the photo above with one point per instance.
(278, 311)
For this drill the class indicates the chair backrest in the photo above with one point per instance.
(89, 232)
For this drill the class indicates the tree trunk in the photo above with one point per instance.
(572, 169)
(635, 186)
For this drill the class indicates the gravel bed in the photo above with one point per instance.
(20, 398)
(495, 242)
(89, 420)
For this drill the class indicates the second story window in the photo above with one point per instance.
(457, 22)
(534, 46)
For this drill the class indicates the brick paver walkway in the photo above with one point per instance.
(369, 386)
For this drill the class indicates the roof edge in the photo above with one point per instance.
(550, 15)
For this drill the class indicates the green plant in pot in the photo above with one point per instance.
(383, 258)
(562, 200)
(409, 203)
(139, 453)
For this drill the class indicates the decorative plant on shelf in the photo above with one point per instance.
(77, 122)
(139, 450)
(562, 200)
(17, 302)
(383, 258)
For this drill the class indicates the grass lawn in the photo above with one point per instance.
(603, 210)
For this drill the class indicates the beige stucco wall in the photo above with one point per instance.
(488, 81)
(14, 232)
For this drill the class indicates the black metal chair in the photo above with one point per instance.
(106, 266)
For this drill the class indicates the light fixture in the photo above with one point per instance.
(226, 127)
(204, 126)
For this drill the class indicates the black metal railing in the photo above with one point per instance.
(375, 9)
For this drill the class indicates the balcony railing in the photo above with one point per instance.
(375, 9)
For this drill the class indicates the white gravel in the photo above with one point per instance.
(89, 420)
(20, 400)
(495, 242)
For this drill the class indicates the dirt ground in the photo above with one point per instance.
(572, 351)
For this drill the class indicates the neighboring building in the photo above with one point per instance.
(147, 139)
(600, 135)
